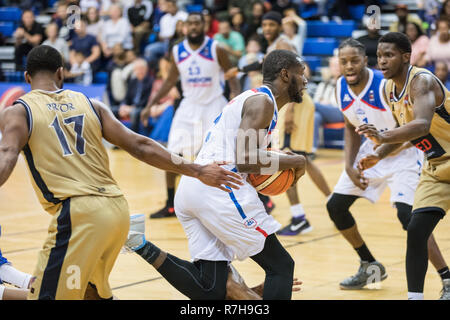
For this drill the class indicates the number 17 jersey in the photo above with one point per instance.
(65, 154)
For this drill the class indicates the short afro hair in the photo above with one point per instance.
(350, 42)
(400, 40)
(277, 60)
(43, 59)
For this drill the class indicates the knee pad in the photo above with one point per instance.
(404, 214)
(338, 211)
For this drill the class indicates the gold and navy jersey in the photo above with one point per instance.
(435, 145)
(64, 153)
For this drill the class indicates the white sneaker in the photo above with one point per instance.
(136, 235)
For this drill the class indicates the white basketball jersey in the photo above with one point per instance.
(220, 141)
(369, 106)
(202, 78)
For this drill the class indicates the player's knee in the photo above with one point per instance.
(404, 214)
(284, 266)
(339, 214)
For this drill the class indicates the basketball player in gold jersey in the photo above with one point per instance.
(421, 106)
(60, 133)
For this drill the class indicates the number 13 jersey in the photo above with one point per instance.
(65, 153)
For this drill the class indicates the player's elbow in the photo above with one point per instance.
(423, 127)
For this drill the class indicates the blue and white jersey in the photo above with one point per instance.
(369, 106)
(202, 78)
(220, 142)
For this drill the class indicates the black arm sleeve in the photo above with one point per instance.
(255, 66)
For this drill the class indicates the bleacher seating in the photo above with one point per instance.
(7, 28)
(320, 46)
(343, 29)
(10, 14)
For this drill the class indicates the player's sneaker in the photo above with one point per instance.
(136, 235)
(445, 293)
(368, 272)
(297, 226)
(166, 212)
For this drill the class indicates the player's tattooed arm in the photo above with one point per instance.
(257, 115)
(425, 96)
(14, 129)
(154, 154)
(167, 85)
(225, 64)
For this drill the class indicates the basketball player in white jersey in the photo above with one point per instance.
(360, 93)
(221, 228)
(200, 64)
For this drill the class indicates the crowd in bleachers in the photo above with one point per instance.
(125, 43)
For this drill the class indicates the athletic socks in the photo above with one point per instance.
(298, 212)
(149, 252)
(170, 196)
(415, 295)
(11, 275)
(444, 273)
(365, 254)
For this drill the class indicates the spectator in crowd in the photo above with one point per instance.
(62, 19)
(173, 94)
(179, 35)
(80, 69)
(238, 24)
(119, 69)
(294, 28)
(139, 88)
(139, 17)
(370, 41)
(419, 44)
(403, 15)
(246, 7)
(86, 4)
(94, 23)
(281, 6)
(115, 30)
(211, 23)
(441, 71)
(253, 54)
(28, 35)
(439, 47)
(445, 10)
(327, 108)
(51, 31)
(428, 11)
(106, 6)
(86, 44)
(255, 19)
(232, 41)
(154, 51)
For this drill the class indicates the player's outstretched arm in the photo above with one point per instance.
(256, 117)
(425, 95)
(14, 128)
(154, 154)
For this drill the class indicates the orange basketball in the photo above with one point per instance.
(272, 185)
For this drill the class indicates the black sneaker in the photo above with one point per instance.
(368, 272)
(166, 212)
(297, 226)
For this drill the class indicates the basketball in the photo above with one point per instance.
(272, 184)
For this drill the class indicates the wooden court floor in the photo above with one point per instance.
(323, 258)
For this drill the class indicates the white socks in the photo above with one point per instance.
(297, 211)
(415, 295)
(11, 275)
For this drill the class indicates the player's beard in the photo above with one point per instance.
(196, 40)
(295, 95)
